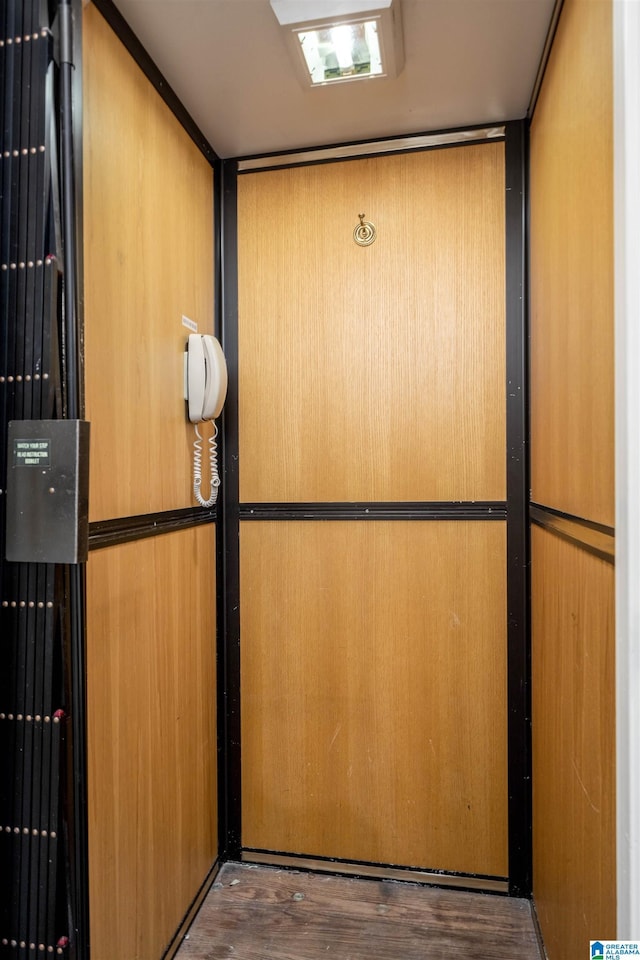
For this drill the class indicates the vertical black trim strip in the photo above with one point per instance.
(518, 590)
(229, 768)
(221, 609)
(70, 27)
(127, 37)
(70, 360)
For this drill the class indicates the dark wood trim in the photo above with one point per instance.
(108, 533)
(518, 547)
(155, 76)
(595, 538)
(427, 510)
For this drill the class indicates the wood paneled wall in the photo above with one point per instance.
(374, 652)
(572, 423)
(572, 427)
(148, 251)
(374, 691)
(148, 230)
(152, 738)
(574, 746)
(374, 373)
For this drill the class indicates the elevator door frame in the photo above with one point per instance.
(517, 473)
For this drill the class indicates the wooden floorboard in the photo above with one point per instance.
(266, 913)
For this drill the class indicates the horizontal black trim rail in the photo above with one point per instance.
(153, 74)
(108, 533)
(573, 518)
(372, 870)
(595, 538)
(402, 510)
(363, 149)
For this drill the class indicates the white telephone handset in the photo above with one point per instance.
(205, 383)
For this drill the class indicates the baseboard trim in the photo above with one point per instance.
(190, 915)
(538, 930)
(377, 871)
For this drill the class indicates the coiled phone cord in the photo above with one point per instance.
(213, 467)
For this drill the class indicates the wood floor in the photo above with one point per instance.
(265, 913)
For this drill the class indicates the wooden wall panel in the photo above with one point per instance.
(151, 737)
(574, 746)
(374, 691)
(374, 373)
(148, 231)
(572, 469)
(572, 424)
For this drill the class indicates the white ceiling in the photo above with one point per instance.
(466, 62)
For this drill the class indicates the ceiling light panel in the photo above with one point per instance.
(342, 40)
